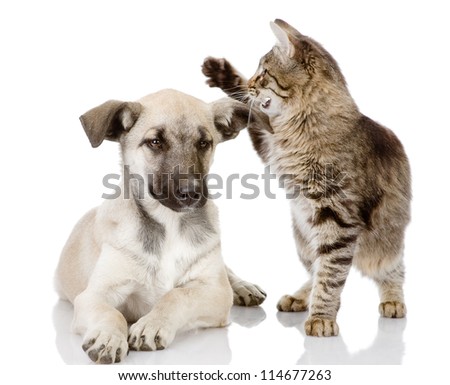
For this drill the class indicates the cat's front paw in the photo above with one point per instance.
(290, 303)
(321, 327)
(392, 309)
(149, 334)
(220, 73)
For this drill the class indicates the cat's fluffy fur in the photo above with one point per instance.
(350, 175)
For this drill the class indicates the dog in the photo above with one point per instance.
(152, 257)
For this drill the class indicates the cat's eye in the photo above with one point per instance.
(263, 81)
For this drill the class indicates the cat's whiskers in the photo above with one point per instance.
(240, 93)
(252, 101)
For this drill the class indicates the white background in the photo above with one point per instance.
(61, 58)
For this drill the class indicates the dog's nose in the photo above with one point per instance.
(188, 195)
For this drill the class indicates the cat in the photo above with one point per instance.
(348, 175)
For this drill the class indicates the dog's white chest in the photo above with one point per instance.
(175, 262)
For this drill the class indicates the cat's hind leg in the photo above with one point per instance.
(383, 262)
(390, 286)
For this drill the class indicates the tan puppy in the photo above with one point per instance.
(151, 256)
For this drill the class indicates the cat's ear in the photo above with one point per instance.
(289, 29)
(109, 120)
(283, 41)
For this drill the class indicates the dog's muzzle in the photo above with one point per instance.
(181, 194)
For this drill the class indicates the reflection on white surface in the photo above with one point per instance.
(387, 348)
(247, 316)
(200, 347)
(248, 329)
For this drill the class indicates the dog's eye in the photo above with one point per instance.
(154, 143)
(203, 144)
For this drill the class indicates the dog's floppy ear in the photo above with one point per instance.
(109, 120)
(230, 117)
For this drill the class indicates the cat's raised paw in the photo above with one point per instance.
(321, 327)
(220, 73)
(290, 303)
(392, 309)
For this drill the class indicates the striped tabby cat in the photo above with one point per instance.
(349, 175)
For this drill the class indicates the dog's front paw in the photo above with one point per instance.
(105, 348)
(220, 73)
(321, 327)
(247, 294)
(150, 334)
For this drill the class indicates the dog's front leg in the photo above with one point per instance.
(198, 303)
(96, 317)
(245, 293)
(104, 328)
